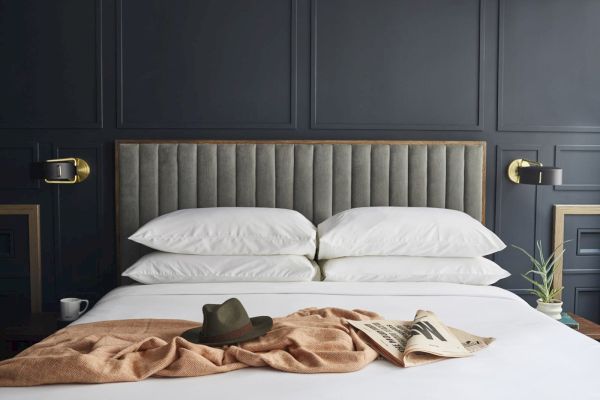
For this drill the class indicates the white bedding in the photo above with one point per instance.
(533, 356)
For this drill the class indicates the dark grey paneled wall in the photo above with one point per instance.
(547, 70)
(206, 64)
(520, 74)
(359, 48)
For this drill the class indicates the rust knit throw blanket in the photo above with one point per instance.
(308, 341)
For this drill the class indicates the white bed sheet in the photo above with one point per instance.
(533, 356)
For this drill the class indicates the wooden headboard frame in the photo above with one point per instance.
(133, 148)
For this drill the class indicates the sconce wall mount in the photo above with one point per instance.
(513, 169)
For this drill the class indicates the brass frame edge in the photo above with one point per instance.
(32, 211)
(560, 211)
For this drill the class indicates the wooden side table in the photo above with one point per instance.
(30, 331)
(587, 327)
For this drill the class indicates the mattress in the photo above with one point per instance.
(533, 355)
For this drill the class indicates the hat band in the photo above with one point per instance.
(229, 335)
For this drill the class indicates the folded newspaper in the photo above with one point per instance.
(421, 341)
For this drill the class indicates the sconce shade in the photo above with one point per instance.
(538, 175)
(533, 173)
(58, 171)
(64, 170)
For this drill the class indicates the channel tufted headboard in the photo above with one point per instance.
(316, 178)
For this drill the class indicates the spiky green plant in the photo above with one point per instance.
(544, 269)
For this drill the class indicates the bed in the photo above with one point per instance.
(532, 356)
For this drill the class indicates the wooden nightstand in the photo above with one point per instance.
(31, 330)
(587, 327)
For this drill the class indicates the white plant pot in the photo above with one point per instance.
(553, 310)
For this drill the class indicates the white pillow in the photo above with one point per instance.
(405, 231)
(189, 268)
(230, 231)
(472, 271)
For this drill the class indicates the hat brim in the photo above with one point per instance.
(260, 326)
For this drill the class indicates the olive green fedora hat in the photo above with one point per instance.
(227, 323)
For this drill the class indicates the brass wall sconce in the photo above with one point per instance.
(533, 173)
(65, 170)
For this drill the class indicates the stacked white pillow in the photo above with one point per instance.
(227, 244)
(272, 245)
(227, 231)
(470, 271)
(408, 244)
(162, 267)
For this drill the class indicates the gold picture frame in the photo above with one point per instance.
(32, 211)
(560, 211)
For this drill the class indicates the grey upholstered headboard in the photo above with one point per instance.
(316, 178)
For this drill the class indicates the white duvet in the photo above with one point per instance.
(533, 356)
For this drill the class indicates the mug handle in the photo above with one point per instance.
(87, 303)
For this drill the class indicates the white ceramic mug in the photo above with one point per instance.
(70, 308)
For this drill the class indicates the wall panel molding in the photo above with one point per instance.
(581, 271)
(591, 236)
(341, 125)
(593, 168)
(577, 305)
(16, 163)
(98, 107)
(79, 212)
(503, 124)
(525, 200)
(124, 123)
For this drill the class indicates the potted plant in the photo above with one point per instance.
(543, 269)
